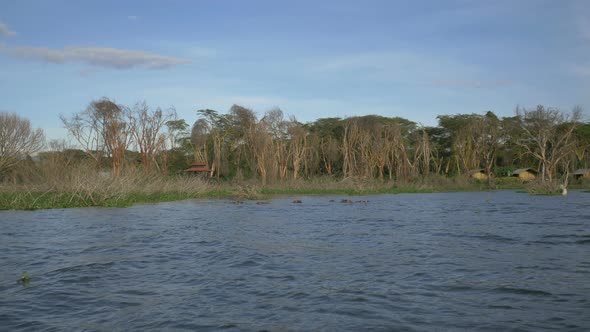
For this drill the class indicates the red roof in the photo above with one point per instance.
(198, 167)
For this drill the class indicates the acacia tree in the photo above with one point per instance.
(423, 152)
(147, 128)
(179, 138)
(101, 129)
(277, 129)
(261, 146)
(18, 139)
(198, 138)
(86, 129)
(117, 133)
(242, 121)
(489, 126)
(350, 140)
(215, 126)
(329, 149)
(298, 136)
(547, 135)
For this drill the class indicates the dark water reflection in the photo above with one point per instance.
(455, 261)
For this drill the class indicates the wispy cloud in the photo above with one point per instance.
(581, 10)
(580, 70)
(393, 63)
(96, 56)
(409, 68)
(5, 31)
(132, 18)
(474, 84)
(305, 108)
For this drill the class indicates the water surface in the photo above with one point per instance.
(416, 262)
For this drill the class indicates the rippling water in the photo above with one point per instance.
(453, 261)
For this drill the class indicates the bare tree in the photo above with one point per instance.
(147, 128)
(101, 130)
(243, 121)
(18, 139)
(199, 135)
(277, 127)
(329, 149)
(423, 152)
(86, 129)
(261, 146)
(349, 146)
(491, 131)
(547, 135)
(213, 127)
(298, 136)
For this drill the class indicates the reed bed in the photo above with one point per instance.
(84, 186)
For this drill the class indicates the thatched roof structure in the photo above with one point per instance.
(582, 173)
(523, 170)
(525, 174)
(478, 174)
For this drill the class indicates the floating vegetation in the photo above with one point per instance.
(24, 279)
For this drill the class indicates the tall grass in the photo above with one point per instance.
(64, 185)
(367, 186)
(82, 186)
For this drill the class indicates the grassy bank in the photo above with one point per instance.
(81, 190)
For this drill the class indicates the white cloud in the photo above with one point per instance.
(5, 31)
(96, 56)
(132, 18)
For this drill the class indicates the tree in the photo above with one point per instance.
(101, 129)
(298, 146)
(177, 133)
(18, 139)
(147, 129)
(491, 131)
(214, 126)
(547, 135)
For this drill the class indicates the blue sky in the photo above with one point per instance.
(414, 59)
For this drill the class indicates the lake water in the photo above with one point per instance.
(416, 262)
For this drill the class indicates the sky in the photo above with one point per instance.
(312, 59)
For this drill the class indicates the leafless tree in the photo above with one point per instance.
(102, 130)
(298, 136)
(547, 135)
(18, 139)
(147, 127)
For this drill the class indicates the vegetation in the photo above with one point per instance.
(24, 279)
(119, 155)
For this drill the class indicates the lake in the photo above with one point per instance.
(484, 261)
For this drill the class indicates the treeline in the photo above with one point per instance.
(273, 148)
(241, 144)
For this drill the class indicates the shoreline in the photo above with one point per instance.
(37, 200)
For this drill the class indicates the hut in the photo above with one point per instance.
(582, 173)
(525, 174)
(198, 168)
(478, 174)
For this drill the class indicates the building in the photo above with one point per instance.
(198, 168)
(582, 173)
(525, 174)
(478, 174)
